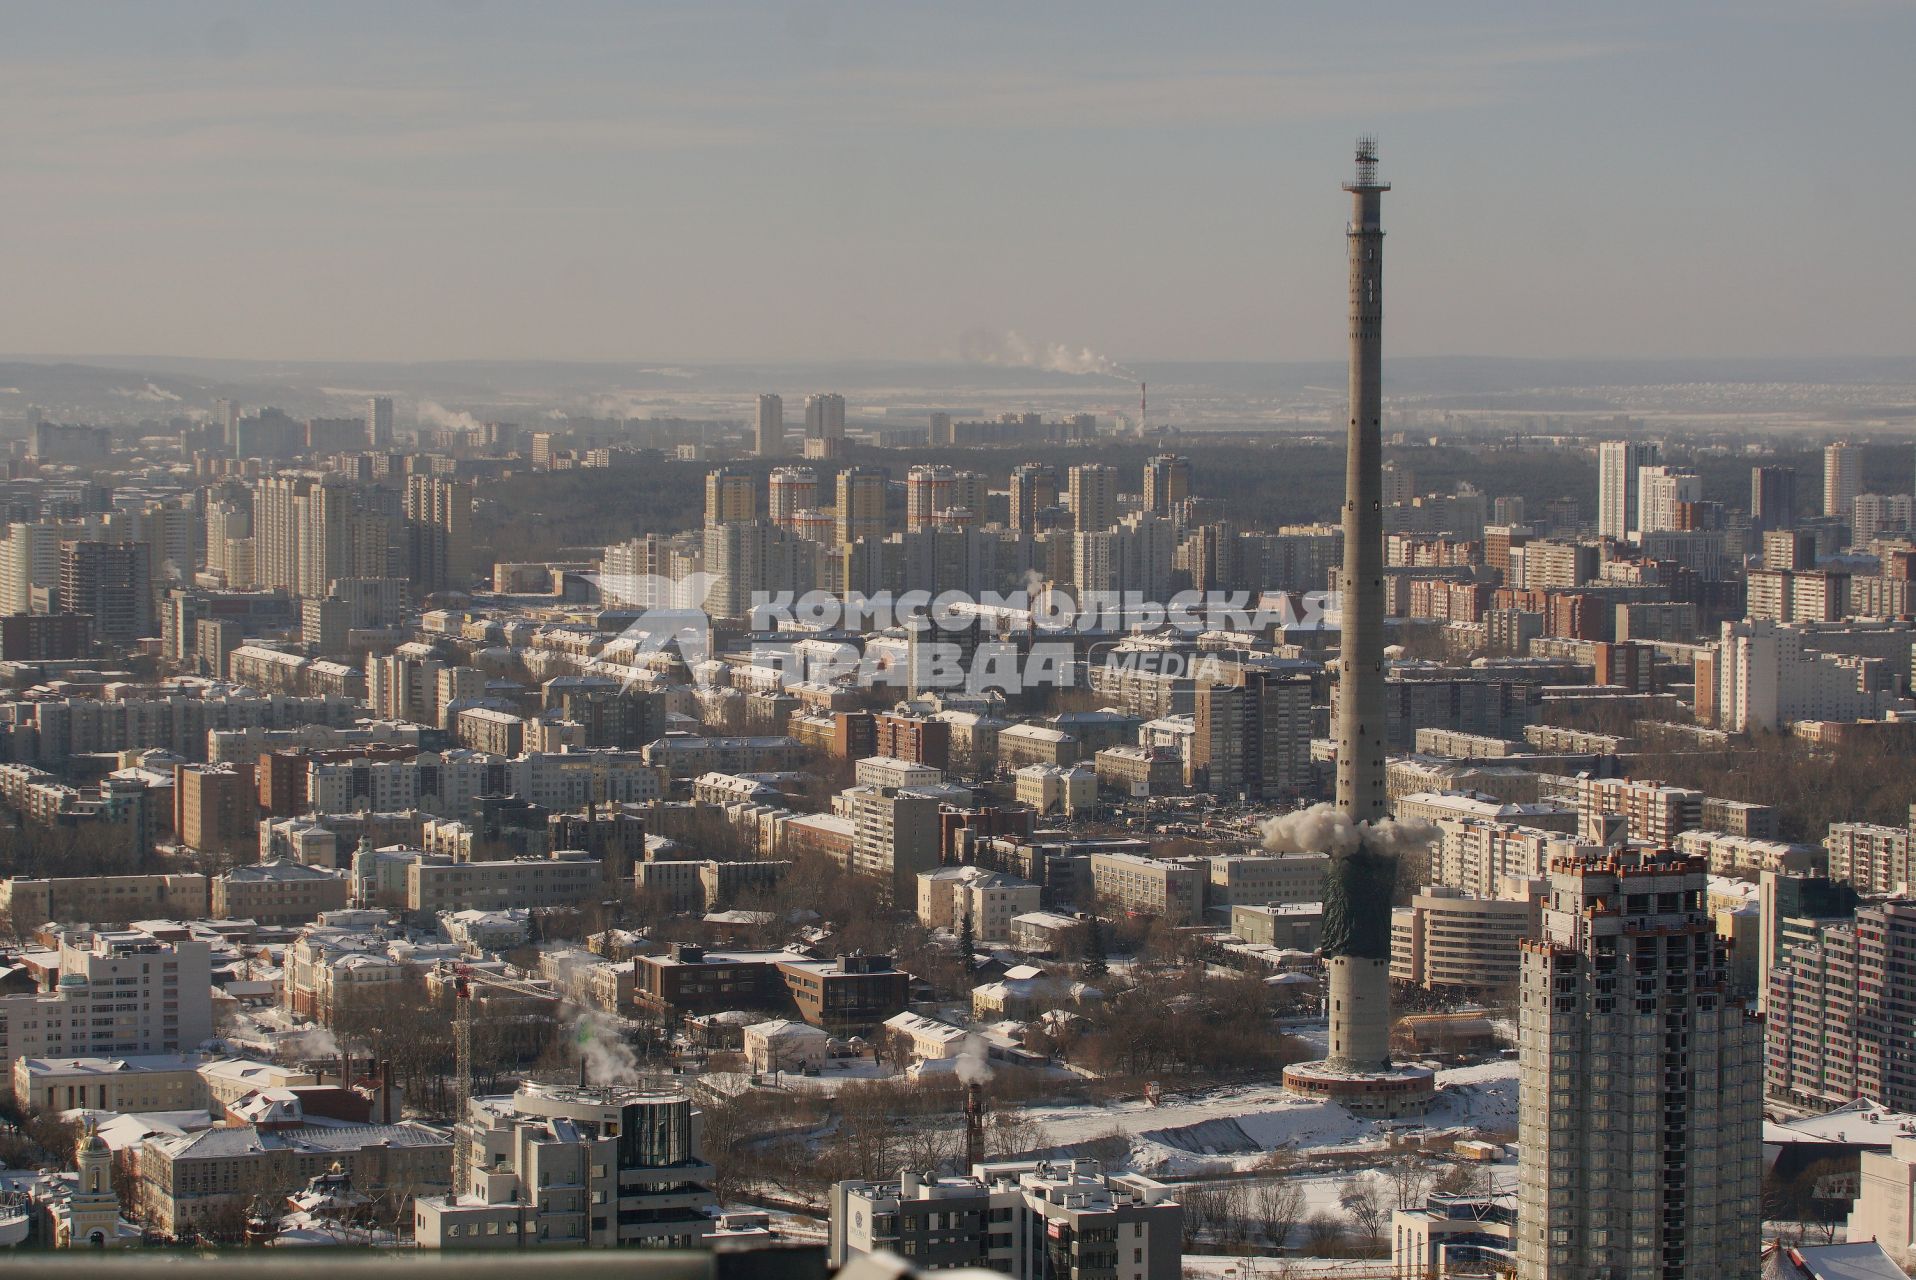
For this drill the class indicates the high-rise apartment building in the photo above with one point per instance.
(112, 582)
(312, 528)
(1033, 487)
(861, 504)
(276, 529)
(1841, 1013)
(1399, 483)
(1662, 491)
(927, 493)
(1618, 465)
(749, 559)
(323, 518)
(1772, 498)
(825, 416)
(1167, 482)
(29, 558)
(730, 496)
(1639, 1110)
(1093, 497)
(645, 573)
(379, 422)
(788, 491)
(1842, 478)
(1132, 557)
(1253, 735)
(768, 434)
(439, 527)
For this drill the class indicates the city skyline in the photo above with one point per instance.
(865, 182)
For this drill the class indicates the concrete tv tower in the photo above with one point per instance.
(1358, 1071)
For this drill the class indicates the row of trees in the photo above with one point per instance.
(1270, 1210)
(798, 1144)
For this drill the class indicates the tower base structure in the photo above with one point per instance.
(1388, 1093)
(1358, 1074)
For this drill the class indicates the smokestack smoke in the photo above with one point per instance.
(972, 1066)
(1012, 350)
(436, 414)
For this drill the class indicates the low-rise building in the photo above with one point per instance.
(1261, 878)
(279, 892)
(435, 883)
(950, 896)
(1050, 788)
(1023, 744)
(119, 992)
(1140, 771)
(1454, 1235)
(594, 1166)
(1288, 926)
(1033, 1220)
(1448, 939)
(1886, 1190)
(139, 1082)
(1748, 856)
(187, 1178)
(784, 1045)
(847, 995)
(1170, 888)
(103, 900)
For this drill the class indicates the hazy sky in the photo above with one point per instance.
(821, 181)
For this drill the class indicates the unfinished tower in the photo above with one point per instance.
(1358, 1071)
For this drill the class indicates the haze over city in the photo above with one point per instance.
(824, 182)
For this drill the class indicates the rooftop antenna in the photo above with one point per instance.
(1366, 160)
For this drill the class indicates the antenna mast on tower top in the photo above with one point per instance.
(1366, 159)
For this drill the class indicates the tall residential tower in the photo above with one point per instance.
(1639, 1097)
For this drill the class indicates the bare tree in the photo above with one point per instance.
(1324, 1234)
(1278, 1206)
(1464, 1180)
(1009, 1133)
(1410, 1179)
(930, 1147)
(1823, 1206)
(1363, 1200)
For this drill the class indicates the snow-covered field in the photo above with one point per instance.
(1232, 1128)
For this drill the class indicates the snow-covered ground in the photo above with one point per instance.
(1232, 1128)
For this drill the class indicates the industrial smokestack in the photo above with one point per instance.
(974, 1126)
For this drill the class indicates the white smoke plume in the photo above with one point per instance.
(972, 1066)
(432, 413)
(608, 1058)
(1324, 828)
(310, 1044)
(1012, 350)
(151, 393)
